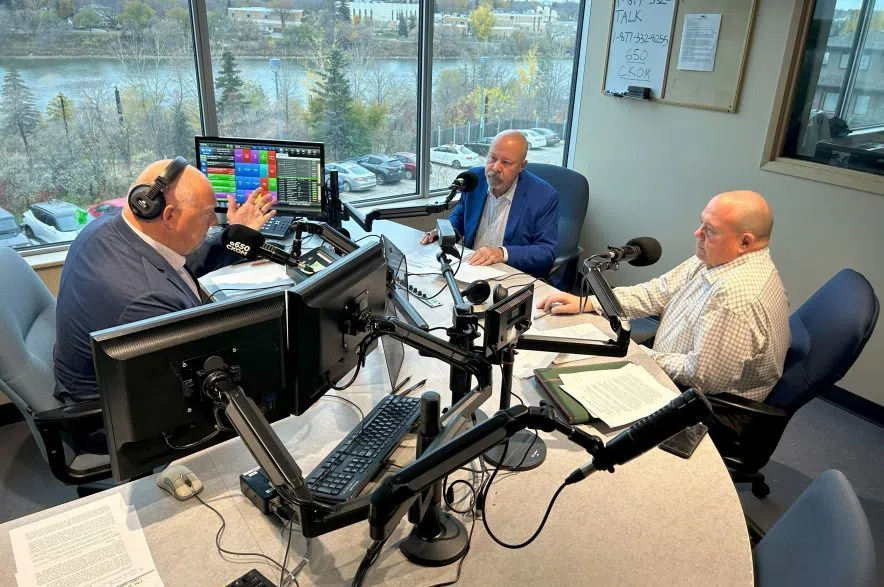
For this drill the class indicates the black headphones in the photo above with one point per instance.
(148, 200)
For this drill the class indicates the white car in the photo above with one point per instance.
(535, 139)
(455, 155)
(54, 221)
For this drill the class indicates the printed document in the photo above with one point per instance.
(618, 396)
(99, 544)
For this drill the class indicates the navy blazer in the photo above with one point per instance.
(532, 228)
(112, 277)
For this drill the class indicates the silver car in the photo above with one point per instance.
(11, 234)
(352, 176)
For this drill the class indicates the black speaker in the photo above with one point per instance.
(477, 292)
(148, 200)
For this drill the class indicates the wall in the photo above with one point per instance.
(652, 167)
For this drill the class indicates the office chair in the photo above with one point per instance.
(823, 540)
(27, 378)
(829, 332)
(573, 200)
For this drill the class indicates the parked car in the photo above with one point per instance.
(386, 169)
(455, 155)
(481, 146)
(409, 161)
(552, 137)
(535, 140)
(54, 221)
(351, 176)
(11, 234)
(108, 207)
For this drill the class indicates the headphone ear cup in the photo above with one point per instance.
(478, 291)
(500, 293)
(143, 205)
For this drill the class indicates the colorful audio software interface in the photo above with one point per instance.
(292, 172)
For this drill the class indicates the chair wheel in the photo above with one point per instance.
(760, 489)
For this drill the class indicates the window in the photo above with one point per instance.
(118, 85)
(114, 88)
(837, 117)
(826, 58)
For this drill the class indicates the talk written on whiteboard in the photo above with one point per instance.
(639, 50)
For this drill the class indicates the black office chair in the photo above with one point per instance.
(829, 332)
(27, 378)
(573, 201)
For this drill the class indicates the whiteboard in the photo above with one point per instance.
(638, 51)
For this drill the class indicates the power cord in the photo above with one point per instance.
(284, 572)
(459, 262)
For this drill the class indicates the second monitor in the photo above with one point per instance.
(291, 171)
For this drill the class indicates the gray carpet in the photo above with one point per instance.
(821, 436)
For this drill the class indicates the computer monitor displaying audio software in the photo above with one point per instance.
(291, 171)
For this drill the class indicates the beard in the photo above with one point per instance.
(495, 180)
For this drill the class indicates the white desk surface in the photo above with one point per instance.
(658, 520)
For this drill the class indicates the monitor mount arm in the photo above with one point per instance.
(341, 244)
(274, 458)
(395, 495)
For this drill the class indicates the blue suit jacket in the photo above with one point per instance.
(112, 277)
(532, 229)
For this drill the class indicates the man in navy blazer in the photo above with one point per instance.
(512, 216)
(122, 268)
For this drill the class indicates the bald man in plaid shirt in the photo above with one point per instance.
(724, 323)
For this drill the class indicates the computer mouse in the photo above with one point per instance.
(179, 481)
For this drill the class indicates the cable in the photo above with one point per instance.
(371, 555)
(343, 399)
(469, 536)
(377, 236)
(233, 553)
(459, 262)
(285, 559)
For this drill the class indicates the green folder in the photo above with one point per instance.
(551, 386)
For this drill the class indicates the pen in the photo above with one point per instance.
(414, 387)
(402, 384)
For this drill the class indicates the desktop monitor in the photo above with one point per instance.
(151, 375)
(324, 341)
(507, 319)
(291, 171)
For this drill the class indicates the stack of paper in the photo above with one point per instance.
(99, 544)
(617, 396)
(259, 275)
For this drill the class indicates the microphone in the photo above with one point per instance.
(683, 412)
(640, 252)
(249, 243)
(466, 181)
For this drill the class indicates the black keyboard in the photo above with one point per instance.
(352, 464)
(253, 578)
(277, 227)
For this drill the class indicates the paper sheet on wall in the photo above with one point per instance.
(699, 40)
(99, 544)
(617, 396)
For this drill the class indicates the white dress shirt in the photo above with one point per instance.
(724, 329)
(174, 259)
(492, 224)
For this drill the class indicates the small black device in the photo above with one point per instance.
(253, 578)
(278, 226)
(312, 262)
(685, 442)
(147, 201)
(506, 319)
(351, 465)
(257, 488)
(640, 92)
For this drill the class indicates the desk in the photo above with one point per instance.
(658, 520)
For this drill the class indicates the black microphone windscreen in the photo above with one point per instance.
(650, 251)
(242, 240)
(470, 180)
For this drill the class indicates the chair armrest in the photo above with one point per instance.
(745, 405)
(73, 412)
(564, 260)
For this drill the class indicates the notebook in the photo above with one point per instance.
(551, 388)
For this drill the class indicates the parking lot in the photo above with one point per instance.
(441, 176)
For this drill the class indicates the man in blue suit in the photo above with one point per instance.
(123, 268)
(512, 216)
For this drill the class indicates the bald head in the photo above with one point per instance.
(506, 160)
(749, 212)
(189, 211)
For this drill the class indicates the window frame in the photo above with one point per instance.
(205, 87)
(772, 158)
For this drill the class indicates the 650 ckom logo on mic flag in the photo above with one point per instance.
(239, 248)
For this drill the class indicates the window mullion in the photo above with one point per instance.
(205, 82)
(425, 94)
(854, 60)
